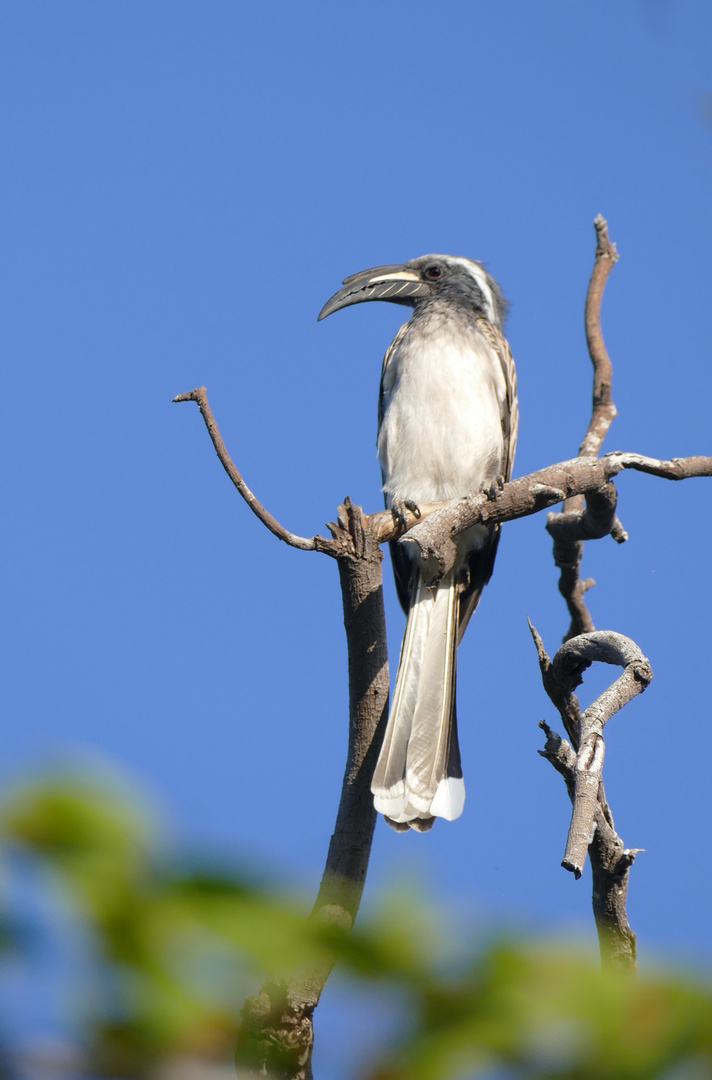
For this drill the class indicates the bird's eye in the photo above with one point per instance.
(434, 272)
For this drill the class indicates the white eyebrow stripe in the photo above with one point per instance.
(480, 277)
(475, 271)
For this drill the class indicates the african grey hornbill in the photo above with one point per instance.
(447, 426)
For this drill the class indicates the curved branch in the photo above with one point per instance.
(314, 543)
(568, 550)
(571, 659)
(604, 411)
(591, 824)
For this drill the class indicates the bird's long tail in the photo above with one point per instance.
(418, 775)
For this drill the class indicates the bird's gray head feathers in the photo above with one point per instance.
(420, 282)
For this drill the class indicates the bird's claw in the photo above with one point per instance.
(398, 509)
(492, 490)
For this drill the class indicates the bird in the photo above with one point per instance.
(447, 427)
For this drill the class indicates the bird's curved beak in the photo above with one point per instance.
(393, 283)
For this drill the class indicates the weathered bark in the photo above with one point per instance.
(277, 1032)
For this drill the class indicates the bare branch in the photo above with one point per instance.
(561, 755)
(569, 529)
(610, 868)
(596, 519)
(675, 469)
(571, 659)
(277, 1032)
(519, 498)
(592, 825)
(604, 411)
(568, 549)
(560, 692)
(314, 543)
(527, 495)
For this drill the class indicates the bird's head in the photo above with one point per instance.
(445, 277)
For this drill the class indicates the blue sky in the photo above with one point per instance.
(183, 187)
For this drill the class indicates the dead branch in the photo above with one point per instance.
(571, 659)
(675, 469)
(582, 519)
(592, 825)
(314, 543)
(568, 549)
(527, 495)
(277, 1030)
(519, 498)
(610, 865)
(277, 1033)
(604, 411)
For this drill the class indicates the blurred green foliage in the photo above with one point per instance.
(181, 946)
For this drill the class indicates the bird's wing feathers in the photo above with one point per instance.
(402, 564)
(481, 562)
(390, 353)
(509, 408)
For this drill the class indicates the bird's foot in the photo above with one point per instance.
(398, 509)
(492, 490)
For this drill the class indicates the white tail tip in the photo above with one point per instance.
(448, 802)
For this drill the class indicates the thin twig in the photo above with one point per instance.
(314, 543)
(675, 469)
(568, 551)
(604, 411)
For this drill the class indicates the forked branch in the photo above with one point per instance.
(580, 765)
(433, 529)
(560, 677)
(530, 494)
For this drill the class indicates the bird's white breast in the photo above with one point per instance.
(443, 396)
